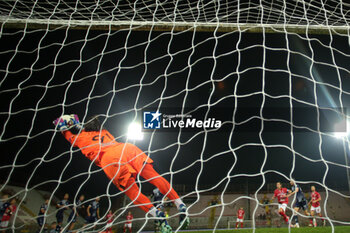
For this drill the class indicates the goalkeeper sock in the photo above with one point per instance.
(153, 212)
(148, 173)
(179, 204)
(135, 195)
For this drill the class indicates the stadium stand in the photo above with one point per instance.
(29, 209)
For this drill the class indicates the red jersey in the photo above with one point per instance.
(240, 214)
(109, 218)
(92, 144)
(281, 195)
(129, 218)
(8, 213)
(315, 196)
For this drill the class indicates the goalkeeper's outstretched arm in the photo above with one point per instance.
(67, 122)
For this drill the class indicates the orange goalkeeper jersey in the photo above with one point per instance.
(92, 144)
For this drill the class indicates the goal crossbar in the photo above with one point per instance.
(172, 26)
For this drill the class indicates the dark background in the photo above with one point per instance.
(45, 74)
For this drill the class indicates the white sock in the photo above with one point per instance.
(153, 211)
(178, 202)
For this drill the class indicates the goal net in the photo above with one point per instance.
(230, 97)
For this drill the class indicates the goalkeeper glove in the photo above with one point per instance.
(67, 121)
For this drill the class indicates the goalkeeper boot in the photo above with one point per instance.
(164, 226)
(184, 220)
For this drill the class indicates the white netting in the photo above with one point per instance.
(279, 96)
(254, 11)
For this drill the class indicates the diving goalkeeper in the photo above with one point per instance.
(121, 162)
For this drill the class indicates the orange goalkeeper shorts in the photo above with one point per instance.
(121, 161)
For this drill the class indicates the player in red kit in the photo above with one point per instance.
(128, 223)
(122, 163)
(9, 212)
(110, 218)
(281, 194)
(316, 206)
(240, 217)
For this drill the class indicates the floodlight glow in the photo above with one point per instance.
(134, 131)
(341, 129)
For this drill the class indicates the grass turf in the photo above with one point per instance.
(338, 229)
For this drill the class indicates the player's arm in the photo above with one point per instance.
(98, 212)
(75, 210)
(290, 193)
(317, 200)
(88, 210)
(10, 210)
(69, 135)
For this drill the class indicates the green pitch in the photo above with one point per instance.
(338, 229)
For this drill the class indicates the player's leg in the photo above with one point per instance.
(71, 226)
(306, 212)
(133, 192)
(322, 219)
(305, 208)
(40, 221)
(88, 221)
(59, 219)
(124, 228)
(318, 211)
(312, 213)
(295, 217)
(71, 221)
(237, 222)
(125, 182)
(282, 210)
(143, 165)
(242, 223)
(130, 228)
(156, 226)
(164, 187)
(161, 183)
